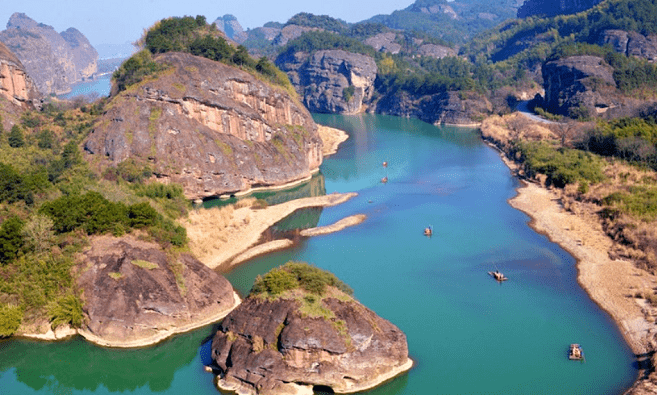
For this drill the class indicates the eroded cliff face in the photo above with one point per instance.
(266, 347)
(211, 128)
(135, 293)
(15, 85)
(331, 81)
(53, 60)
(584, 86)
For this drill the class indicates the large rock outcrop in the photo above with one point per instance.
(209, 127)
(53, 60)
(331, 81)
(448, 108)
(272, 345)
(630, 43)
(231, 28)
(136, 294)
(15, 85)
(584, 86)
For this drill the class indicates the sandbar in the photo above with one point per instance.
(218, 235)
(331, 139)
(335, 227)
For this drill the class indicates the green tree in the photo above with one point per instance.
(38, 233)
(16, 139)
(45, 139)
(10, 319)
(11, 239)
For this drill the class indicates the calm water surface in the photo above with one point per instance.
(467, 333)
(100, 87)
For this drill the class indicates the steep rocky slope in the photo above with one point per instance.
(53, 60)
(274, 345)
(135, 293)
(554, 7)
(209, 127)
(15, 85)
(331, 81)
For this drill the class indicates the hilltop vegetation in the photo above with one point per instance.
(195, 36)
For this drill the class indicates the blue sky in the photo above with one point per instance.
(120, 21)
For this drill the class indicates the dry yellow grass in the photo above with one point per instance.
(218, 235)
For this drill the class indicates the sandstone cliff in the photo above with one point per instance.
(136, 294)
(584, 86)
(630, 43)
(452, 108)
(274, 345)
(53, 60)
(232, 28)
(331, 81)
(209, 127)
(15, 85)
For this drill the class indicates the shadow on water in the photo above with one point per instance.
(79, 365)
(313, 188)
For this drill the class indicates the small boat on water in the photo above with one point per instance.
(385, 164)
(498, 276)
(575, 352)
(384, 179)
(428, 231)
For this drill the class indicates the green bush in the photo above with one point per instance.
(562, 166)
(66, 310)
(141, 215)
(10, 319)
(16, 139)
(11, 239)
(294, 275)
(640, 201)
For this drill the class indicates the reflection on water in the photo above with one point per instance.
(312, 188)
(77, 364)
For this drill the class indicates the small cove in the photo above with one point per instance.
(466, 333)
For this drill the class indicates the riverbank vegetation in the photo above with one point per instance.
(51, 203)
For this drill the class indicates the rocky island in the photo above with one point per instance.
(300, 329)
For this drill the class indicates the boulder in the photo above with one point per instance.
(331, 81)
(135, 293)
(274, 345)
(212, 128)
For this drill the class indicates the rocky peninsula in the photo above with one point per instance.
(300, 329)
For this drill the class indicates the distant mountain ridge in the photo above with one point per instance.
(549, 8)
(53, 60)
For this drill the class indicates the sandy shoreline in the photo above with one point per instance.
(335, 227)
(611, 283)
(217, 236)
(331, 139)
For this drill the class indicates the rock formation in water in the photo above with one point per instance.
(331, 81)
(15, 85)
(53, 60)
(209, 127)
(135, 293)
(294, 340)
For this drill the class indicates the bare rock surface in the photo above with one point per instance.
(53, 60)
(268, 346)
(331, 81)
(209, 127)
(136, 294)
(15, 85)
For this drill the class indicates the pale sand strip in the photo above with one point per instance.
(216, 242)
(162, 334)
(610, 283)
(262, 249)
(331, 139)
(341, 224)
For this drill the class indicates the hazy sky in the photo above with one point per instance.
(120, 21)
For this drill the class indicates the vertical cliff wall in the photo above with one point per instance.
(15, 85)
(210, 127)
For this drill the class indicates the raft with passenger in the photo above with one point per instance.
(575, 352)
(498, 276)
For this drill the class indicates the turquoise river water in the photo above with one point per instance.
(466, 333)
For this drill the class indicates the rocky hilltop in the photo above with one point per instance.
(331, 81)
(209, 127)
(287, 339)
(231, 27)
(15, 85)
(584, 86)
(137, 294)
(53, 60)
